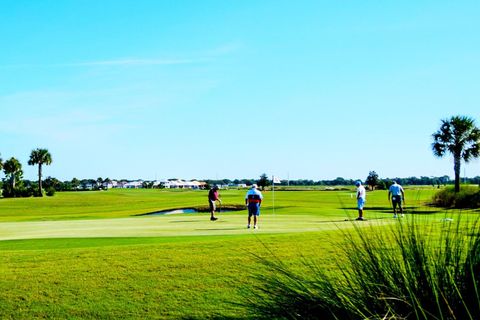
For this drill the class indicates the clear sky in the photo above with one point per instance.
(233, 89)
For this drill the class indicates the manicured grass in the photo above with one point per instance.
(127, 203)
(195, 277)
(97, 204)
(86, 255)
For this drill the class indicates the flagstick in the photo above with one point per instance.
(273, 194)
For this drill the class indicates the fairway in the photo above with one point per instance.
(95, 255)
(70, 216)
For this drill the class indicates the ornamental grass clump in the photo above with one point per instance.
(411, 269)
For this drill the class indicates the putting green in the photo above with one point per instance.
(166, 225)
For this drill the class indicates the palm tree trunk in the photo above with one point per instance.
(40, 193)
(456, 167)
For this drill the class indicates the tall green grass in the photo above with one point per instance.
(407, 271)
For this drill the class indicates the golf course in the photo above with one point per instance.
(110, 254)
(239, 160)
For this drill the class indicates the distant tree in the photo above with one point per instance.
(459, 136)
(92, 184)
(13, 170)
(75, 183)
(264, 181)
(107, 182)
(147, 184)
(444, 180)
(339, 181)
(372, 180)
(382, 185)
(1, 168)
(51, 182)
(64, 186)
(40, 157)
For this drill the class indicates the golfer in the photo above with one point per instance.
(398, 196)
(212, 197)
(253, 200)
(361, 198)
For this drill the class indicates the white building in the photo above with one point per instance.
(133, 184)
(182, 184)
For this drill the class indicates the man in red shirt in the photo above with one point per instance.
(212, 197)
(253, 200)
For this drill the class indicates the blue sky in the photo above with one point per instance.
(234, 89)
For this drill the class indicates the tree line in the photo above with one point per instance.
(13, 185)
(458, 136)
(377, 182)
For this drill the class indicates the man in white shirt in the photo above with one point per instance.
(253, 199)
(361, 198)
(398, 196)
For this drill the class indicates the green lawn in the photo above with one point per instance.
(89, 254)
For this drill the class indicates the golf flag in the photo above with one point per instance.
(274, 180)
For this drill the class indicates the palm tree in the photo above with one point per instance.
(13, 170)
(459, 136)
(1, 168)
(40, 157)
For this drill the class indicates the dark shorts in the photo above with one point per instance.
(253, 209)
(397, 200)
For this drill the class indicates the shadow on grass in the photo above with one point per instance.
(411, 210)
(350, 220)
(218, 229)
(215, 317)
(283, 207)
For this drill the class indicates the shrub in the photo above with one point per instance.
(402, 273)
(467, 197)
(18, 192)
(50, 192)
(381, 185)
(25, 192)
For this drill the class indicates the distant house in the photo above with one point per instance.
(121, 184)
(88, 186)
(137, 184)
(158, 183)
(182, 184)
(133, 184)
(171, 184)
(109, 184)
